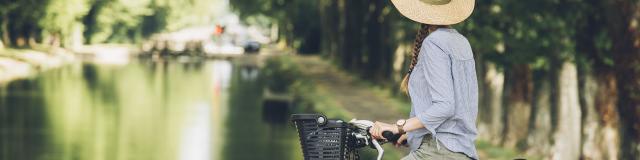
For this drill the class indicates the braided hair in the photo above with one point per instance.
(424, 31)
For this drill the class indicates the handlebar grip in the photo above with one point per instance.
(392, 137)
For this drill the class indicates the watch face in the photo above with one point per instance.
(400, 122)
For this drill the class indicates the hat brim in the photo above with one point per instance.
(452, 13)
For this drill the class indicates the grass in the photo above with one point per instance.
(490, 151)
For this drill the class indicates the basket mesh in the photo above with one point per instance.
(321, 141)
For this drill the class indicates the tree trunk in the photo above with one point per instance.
(484, 119)
(374, 63)
(21, 41)
(344, 30)
(31, 38)
(348, 36)
(330, 27)
(567, 135)
(540, 128)
(387, 48)
(490, 122)
(626, 52)
(354, 34)
(598, 94)
(75, 37)
(517, 99)
(600, 122)
(4, 26)
(25, 33)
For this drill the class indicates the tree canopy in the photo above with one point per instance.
(100, 21)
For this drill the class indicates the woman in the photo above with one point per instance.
(441, 84)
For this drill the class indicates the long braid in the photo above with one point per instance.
(424, 31)
(417, 44)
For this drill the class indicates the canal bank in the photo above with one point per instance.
(22, 63)
(19, 63)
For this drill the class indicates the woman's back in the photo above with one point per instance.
(444, 92)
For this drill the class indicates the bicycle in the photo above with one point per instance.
(333, 139)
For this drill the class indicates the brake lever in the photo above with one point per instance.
(365, 124)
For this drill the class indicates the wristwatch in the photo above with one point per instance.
(400, 123)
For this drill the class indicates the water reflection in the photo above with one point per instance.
(275, 111)
(255, 137)
(142, 110)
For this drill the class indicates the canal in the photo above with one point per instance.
(158, 110)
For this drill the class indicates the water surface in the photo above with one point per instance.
(143, 110)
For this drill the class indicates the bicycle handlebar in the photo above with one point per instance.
(392, 137)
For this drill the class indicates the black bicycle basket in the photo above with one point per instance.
(322, 138)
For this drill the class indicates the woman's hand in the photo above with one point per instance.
(379, 127)
(400, 140)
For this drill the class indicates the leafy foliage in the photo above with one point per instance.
(99, 21)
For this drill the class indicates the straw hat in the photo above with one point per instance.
(436, 12)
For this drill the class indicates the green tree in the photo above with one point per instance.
(61, 19)
(20, 21)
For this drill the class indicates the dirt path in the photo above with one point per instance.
(357, 100)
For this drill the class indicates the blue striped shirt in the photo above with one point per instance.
(444, 92)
